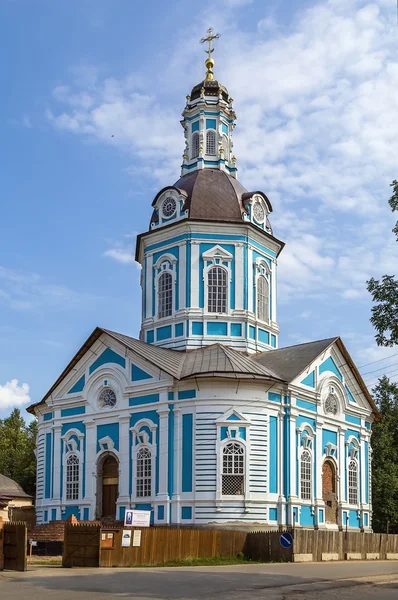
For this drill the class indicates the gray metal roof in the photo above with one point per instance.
(218, 359)
(289, 362)
(170, 361)
(11, 489)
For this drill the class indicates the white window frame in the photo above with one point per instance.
(238, 443)
(211, 133)
(167, 263)
(217, 257)
(72, 477)
(306, 437)
(140, 440)
(265, 296)
(195, 145)
(352, 455)
(262, 269)
(219, 290)
(306, 452)
(69, 448)
(145, 479)
(232, 426)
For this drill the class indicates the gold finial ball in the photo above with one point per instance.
(209, 63)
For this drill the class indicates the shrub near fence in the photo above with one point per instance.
(159, 545)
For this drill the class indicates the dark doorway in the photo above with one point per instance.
(110, 486)
(329, 494)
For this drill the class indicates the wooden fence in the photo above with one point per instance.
(81, 545)
(159, 545)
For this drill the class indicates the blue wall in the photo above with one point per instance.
(273, 454)
(187, 452)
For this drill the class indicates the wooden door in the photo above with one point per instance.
(329, 495)
(15, 546)
(110, 486)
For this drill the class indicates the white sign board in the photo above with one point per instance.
(137, 518)
(126, 538)
(137, 537)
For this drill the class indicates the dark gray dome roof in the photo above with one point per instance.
(211, 87)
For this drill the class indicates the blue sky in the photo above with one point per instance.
(315, 88)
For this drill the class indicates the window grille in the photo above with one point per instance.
(233, 470)
(305, 471)
(72, 477)
(353, 482)
(211, 143)
(165, 295)
(144, 473)
(195, 145)
(217, 290)
(262, 299)
(107, 397)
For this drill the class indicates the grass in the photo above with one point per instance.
(208, 562)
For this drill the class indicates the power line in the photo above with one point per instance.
(374, 380)
(380, 359)
(364, 375)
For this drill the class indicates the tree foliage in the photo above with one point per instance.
(385, 457)
(385, 295)
(17, 445)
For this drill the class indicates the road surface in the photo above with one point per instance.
(325, 581)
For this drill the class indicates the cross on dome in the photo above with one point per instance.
(209, 61)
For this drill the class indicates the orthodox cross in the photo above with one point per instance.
(210, 37)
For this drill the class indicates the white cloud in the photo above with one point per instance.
(316, 103)
(13, 394)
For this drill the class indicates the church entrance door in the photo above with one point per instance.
(110, 486)
(329, 494)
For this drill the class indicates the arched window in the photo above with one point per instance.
(217, 290)
(165, 295)
(195, 145)
(233, 470)
(353, 482)
(144, 473)
(211, 142)
(72, 477)
(305, 475)
(262, 299)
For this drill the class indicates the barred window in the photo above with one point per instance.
(233, 470)
(262, 299)
(211, 143)
(144, 473)
(72, 477)
(353, 482)
(195, 145)
(217, 290)
(305, 472)
(165, 295)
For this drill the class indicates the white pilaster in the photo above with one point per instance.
(250, 278)
(149, 285)
(341, 475)
(57, 461)
(319, 460)
(293, 456)
(182, 276)
(91, 475)
(239, 283)
(273, 290)
(124, 465)
(194, 274)
(176, 512)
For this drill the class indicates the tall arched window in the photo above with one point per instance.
(195, 145)
(211, 147)
(305, 475)
(217, 290)
(144, 473)
(262, 299)
(353, 482)
(165, 295)
(72, 477)
(233, 470)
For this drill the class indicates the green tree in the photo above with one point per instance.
(17, 445)
(385, 295)
(385, 457)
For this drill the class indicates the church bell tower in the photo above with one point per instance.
(209, 259)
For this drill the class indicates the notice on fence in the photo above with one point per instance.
(137, 537)
(126, 538)
(137, 518)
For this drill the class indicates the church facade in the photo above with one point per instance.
(204, 419)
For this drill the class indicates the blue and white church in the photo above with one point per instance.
(204, 420)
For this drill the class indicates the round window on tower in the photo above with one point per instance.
(107, 398)
(258, 212)
(169, 207)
